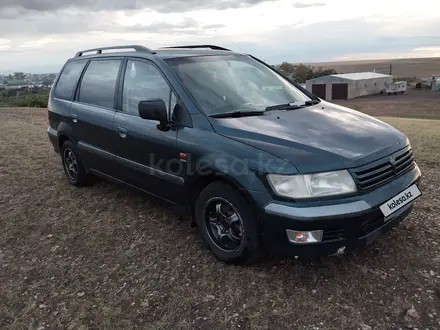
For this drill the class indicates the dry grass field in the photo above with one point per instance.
(407, 67)
(413, 104)
(106, 257)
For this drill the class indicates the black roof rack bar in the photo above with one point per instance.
(213, 47)
(137, 48)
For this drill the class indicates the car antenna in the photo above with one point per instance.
(233, 43)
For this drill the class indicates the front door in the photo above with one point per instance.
(149, 156)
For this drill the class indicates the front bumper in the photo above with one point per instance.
(347, 223)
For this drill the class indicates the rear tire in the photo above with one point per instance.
(73, 165)
(226, 224)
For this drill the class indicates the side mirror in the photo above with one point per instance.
(154, 109)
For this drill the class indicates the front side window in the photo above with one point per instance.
(142, 82)
(68, 79)
(98, 86)
(234, 82)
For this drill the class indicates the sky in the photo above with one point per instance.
(40, 35)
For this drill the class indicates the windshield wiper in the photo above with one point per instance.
(284, 106)
(237, 113)
(311, 102)
(292, 105)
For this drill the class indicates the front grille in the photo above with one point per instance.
(333, 235)
(383, 170)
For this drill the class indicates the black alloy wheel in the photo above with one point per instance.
(70, 164)
(224, 224)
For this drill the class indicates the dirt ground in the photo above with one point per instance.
(107, 257)
(413, 104)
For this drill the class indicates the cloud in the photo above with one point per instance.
(77, 22)
(213, 26)
(300, 5)
(36, 24)
(169, 6)
(345, 38)
(161, 27)
(4, 44)
(39, 35)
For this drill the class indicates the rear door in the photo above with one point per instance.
(62, 94)
(93, 112)
(148, 155)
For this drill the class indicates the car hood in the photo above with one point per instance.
(316, 138)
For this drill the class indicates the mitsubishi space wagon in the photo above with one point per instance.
(258, 163)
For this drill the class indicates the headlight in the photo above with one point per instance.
(312, 185)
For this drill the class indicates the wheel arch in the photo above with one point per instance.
(64, 134)
(202, 181)
(61, 139)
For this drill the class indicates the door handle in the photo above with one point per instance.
(122, 132)
(74, 118)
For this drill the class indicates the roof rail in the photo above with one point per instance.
(137, 48)
(213, 47)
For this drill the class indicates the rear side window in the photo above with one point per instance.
(68, 78)
(98, 86)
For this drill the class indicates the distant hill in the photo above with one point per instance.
(407, 67)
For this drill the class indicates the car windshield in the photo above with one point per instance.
(223, 84)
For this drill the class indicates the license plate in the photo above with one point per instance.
(400, 200)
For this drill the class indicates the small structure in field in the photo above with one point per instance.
(397, 87)
(435, 85)
(432, 82)
(348, 85)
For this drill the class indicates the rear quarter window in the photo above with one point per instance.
(67, 82)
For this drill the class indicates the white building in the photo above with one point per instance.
(435, 86)
(432, 82)
(348, 85)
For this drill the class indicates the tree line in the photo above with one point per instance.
(24, 97)
(21, 78)
(300, 72)
(16, 76)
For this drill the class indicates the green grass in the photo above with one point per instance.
(24, 98)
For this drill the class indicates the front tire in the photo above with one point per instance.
(227, 225)
(73, 165)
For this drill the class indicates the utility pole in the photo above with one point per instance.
(391, 70)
